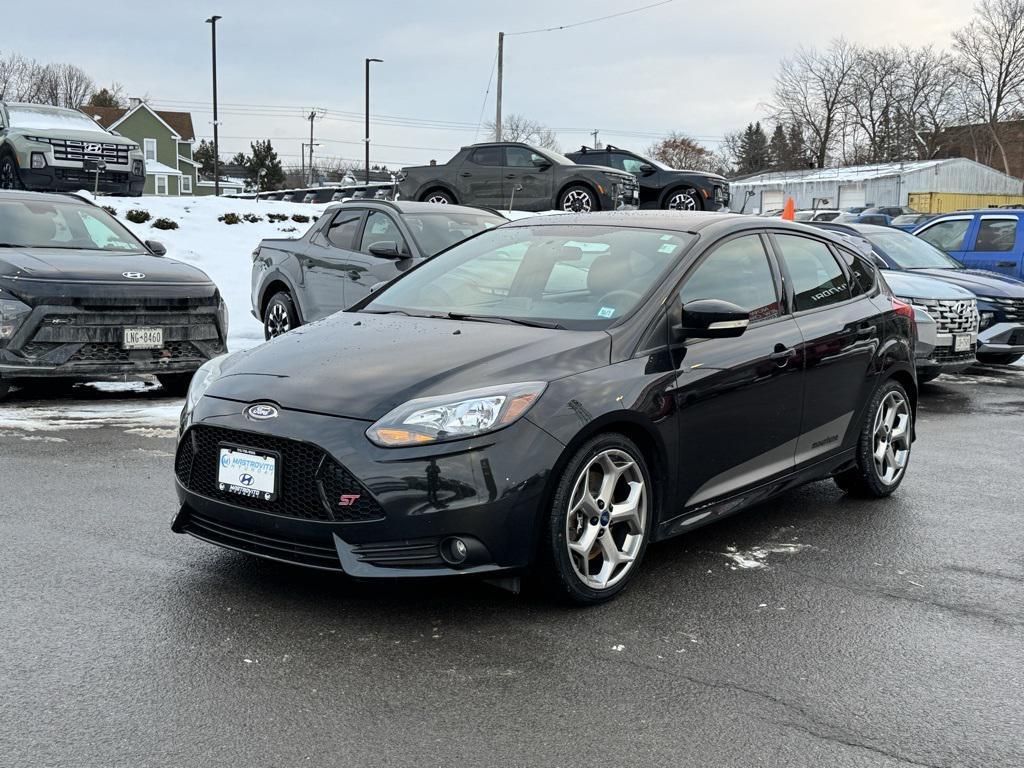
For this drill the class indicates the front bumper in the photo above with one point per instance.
(72, 179)
(934, 351)
(409, 502)
(623, 196)
(1002, 339)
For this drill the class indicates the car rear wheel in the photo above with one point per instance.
(599, 522)
(440, 197)
(999, 359)
(9, 177)
(683, 200)
(579, 199)
(280, 316)
(883, 449)
(175, 384)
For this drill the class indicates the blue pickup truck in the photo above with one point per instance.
(991, 239)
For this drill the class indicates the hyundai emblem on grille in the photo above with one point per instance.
(261, 412)
(134, 275)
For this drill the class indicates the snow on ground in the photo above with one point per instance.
(223, 251)
(150, 419)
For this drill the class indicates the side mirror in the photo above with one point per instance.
(712, 319)
(541, 163)
(386, 249)
(377, 286)
(647, 170)
(156, 247)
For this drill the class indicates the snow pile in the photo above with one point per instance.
(223, 251)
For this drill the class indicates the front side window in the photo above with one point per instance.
(149, 149)
(737, 272)
(381, 228)
(582, 277)
(818, 280)
(342, 230)
(520, 157)
(947, 235)
(66, 226)
(996, 235)
(627, 163)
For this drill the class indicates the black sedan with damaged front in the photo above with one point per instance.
(551, 396)
(83, 298)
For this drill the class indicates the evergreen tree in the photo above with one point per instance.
(778, 149)
(204, 156)
(753, 150)
(798, 157)
(107, 97)
(264, 158)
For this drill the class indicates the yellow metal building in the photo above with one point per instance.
(945, 202)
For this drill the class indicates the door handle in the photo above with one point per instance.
(465, 174)
(782, 354)
(1005, 264)
(866, 332)
(510, 175)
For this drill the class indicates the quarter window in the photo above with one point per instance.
(342, 231)
(947, 235)
(486, 156)
(996, 235)
(818, 280)
(862, 270)
(737, 272)
(381, 228)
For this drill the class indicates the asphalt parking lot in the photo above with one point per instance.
(810, 631)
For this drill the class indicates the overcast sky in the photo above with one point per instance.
(704, 68)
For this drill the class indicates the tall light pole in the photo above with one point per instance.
(367, 139)
(501, 73)
(212, 21)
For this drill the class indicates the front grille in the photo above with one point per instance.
(112, 352)
(79, 151)
(74, 174)
(952, 316)
(259, 543)
(947, 355)
(1013, 309)
(101, 353)
(312, 484)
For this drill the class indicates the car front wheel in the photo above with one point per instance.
(9, 178)
(883, 449)
(578, 199)
(683, 200)
(440, 197)
(599, 521)
(280, 316)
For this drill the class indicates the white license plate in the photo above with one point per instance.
(247, 473)
(143, 338)
(962, 342)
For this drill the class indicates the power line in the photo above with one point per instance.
(490, 79)
(589, 21)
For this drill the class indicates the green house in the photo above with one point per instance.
(166, 140)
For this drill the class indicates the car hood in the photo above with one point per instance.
(911, 285)
(602, 169)
(35, 274)
(101, 137)
(703, 174)
(361, 366)
(979, 281)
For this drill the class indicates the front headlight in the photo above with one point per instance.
(223, 316)
(207, 374)
(450, 417)
(12, 315)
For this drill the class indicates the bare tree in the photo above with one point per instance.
(62, 85)
(678, 150)
(930, 95)
(519, 128)
(811, 90)
(990, 57)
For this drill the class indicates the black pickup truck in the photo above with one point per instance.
(515, 176)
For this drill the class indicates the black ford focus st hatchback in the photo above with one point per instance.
(552, 396)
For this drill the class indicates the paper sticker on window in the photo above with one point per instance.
(606, 312)
(667, 248)
(667, 237)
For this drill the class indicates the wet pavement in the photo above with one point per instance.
(813, 630)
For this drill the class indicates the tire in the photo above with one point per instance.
(999, 359)
(5, 389)
(280, 316)
(889, 423)
(578, 199)
(175, 384)
(438, 196)
(924, 378)
(9, 176)
(567, 570)
(683, 200)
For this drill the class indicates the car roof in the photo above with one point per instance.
(51, 197)
(984, 211)
(411, 206)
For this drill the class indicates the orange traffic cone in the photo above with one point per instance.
(789, 211)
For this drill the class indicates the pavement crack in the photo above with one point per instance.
(847, 742)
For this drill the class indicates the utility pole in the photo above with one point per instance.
(366, 138)
(312, 116)
(594, 134)
(501, 67)
(302, 160)
(212, 21)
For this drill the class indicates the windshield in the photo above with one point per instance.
(35, 224)
(558, 157)
(583, 277)
(436, 231)
(911, 252)
(907, 218)
(49, 118)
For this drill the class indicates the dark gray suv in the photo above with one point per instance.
(351, 248)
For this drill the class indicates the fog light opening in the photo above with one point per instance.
(38, 160)
(454, 551)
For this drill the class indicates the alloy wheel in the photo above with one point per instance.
(7, 174)
(682, 201)
(278, 321)
(891, 446)
(607, 519)
(577, 201)
(439, 199)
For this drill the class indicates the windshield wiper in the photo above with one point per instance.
(501, 319)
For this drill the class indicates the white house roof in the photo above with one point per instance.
(190, 162)
(154, 168)
(850, 174)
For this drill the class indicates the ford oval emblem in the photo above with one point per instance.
(134, 275)
(261, 412)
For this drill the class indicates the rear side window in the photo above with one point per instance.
(818, 280)
(737, 272)
(861, 269)
(947, 235)
(342, 231)
(996, 235)
(486, 156)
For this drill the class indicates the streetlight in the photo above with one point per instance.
(367, 139)
(212, 21)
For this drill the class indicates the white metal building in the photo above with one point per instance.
(883, 184)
